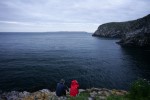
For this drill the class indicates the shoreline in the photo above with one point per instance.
(46, 94)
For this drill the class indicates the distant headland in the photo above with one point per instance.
(135, 33)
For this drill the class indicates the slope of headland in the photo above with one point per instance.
(132, 33)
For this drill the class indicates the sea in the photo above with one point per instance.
(30, 61)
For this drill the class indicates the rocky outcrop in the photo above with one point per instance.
(132, 33)
(103, 93)
(111, 30)
(45, 94)
(138, 38)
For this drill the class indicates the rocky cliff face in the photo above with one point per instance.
(132, 33)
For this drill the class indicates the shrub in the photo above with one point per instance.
(140, 90)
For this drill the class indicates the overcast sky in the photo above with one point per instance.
(67, 15)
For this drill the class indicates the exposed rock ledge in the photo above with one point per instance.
(132, 33)
(46, 94)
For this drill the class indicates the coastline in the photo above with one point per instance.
(45, 94)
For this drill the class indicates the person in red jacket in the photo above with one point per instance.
(74, 88)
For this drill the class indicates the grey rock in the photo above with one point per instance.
(23, 94)
(45, 90)
(45, 94)
(102, 97)
(81, 90)
(132, 33)
(90, 98)
(93, 94)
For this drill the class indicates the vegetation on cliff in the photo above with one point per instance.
(132, 33)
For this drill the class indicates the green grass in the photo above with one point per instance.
(115, 97)
(81, 96)
(140, 90)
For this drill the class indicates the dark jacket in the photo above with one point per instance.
(61, 89)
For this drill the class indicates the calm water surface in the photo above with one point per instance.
(33, 61)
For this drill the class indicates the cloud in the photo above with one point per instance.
(73, 15)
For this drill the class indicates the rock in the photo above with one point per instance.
(93, 94)
(134, 33)
(118, 92)
(23, 94)
(31, 97)
(45, 94)
(94, 89)
(104, 93)
(13, 95)
(110, 30)
(36, 95)
(81, 90)
(90, 98)
(45, 91)
(102, 97)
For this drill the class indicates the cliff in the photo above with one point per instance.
(132, 33)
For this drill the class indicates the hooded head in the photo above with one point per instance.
(74, 82)
(62, 81)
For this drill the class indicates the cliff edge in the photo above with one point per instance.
(45, 94)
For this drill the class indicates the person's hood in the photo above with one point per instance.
(74, 82)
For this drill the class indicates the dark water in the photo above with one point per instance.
(33, 61)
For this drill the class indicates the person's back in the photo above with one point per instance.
(74, 88)
(60, 91)
(61, 88)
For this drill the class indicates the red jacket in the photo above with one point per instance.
(74, 88)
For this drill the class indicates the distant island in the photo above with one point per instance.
(134, 33)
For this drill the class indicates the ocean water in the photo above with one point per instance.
(33, 61)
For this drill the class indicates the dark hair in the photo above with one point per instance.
(62, 81)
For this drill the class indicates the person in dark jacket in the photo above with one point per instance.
(61, 88)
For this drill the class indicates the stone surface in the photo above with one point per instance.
(45, 94)
(134, 33)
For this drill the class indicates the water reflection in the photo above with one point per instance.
(139, 61)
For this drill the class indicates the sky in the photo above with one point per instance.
(67, 15)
